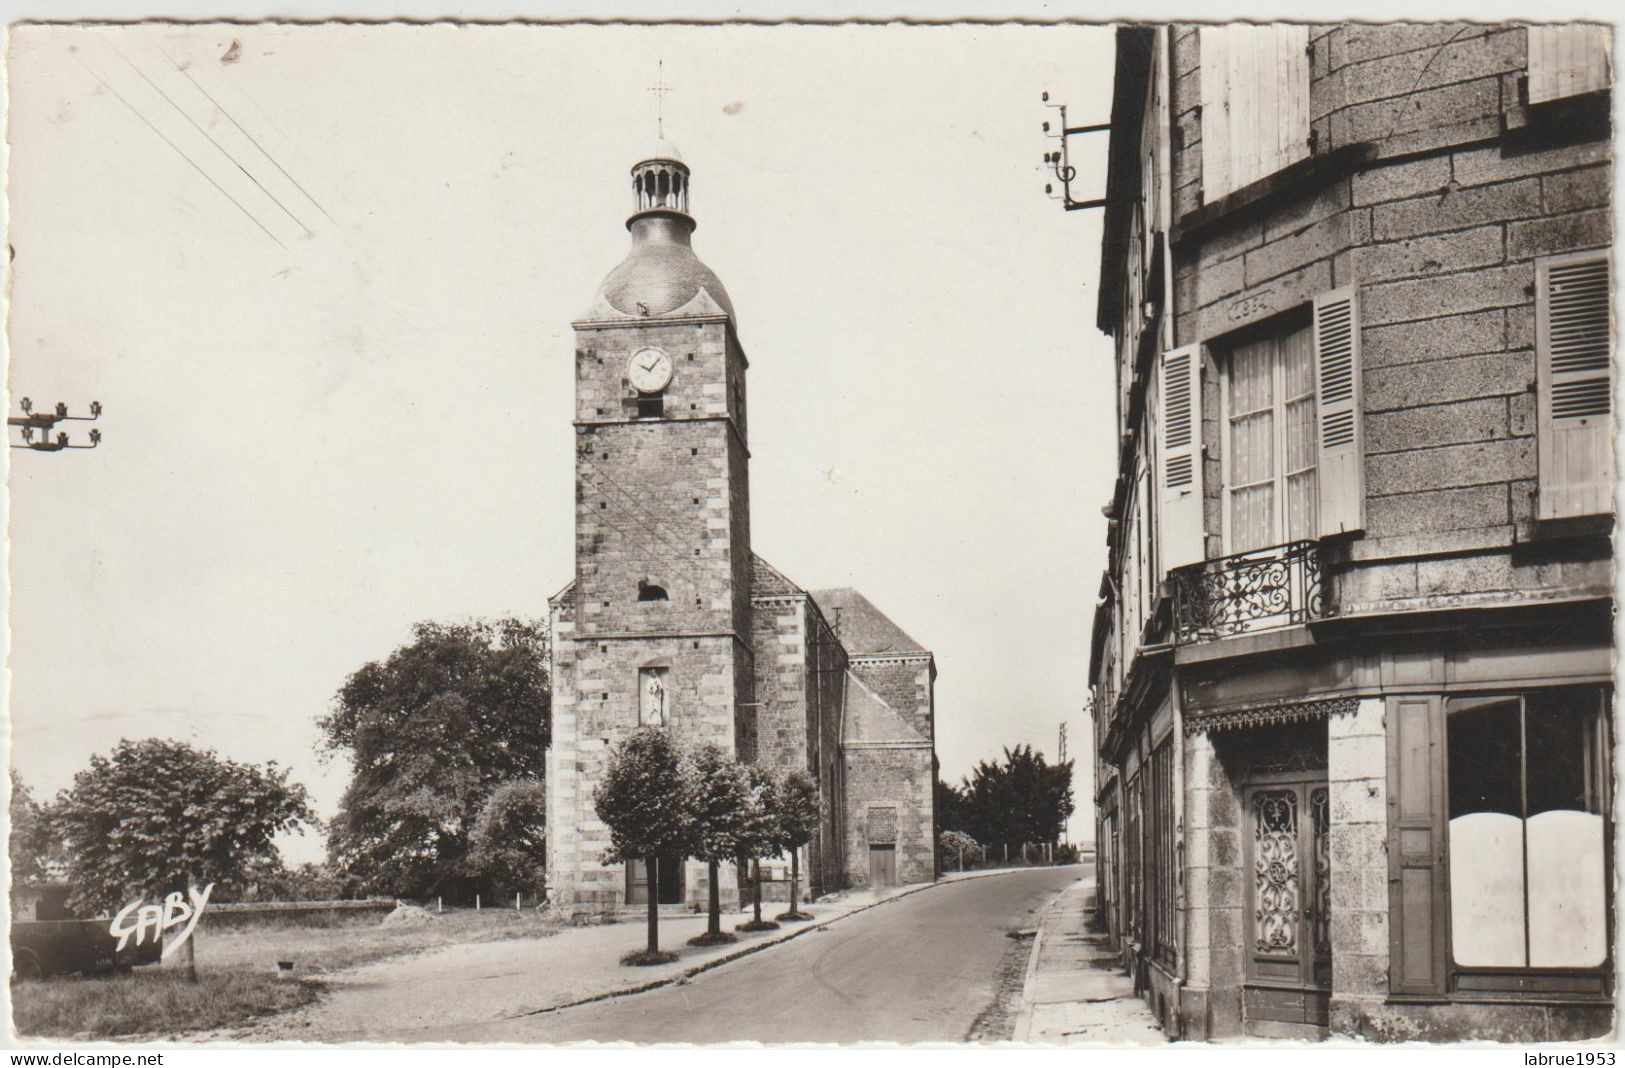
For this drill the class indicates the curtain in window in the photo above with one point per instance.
(1298, 395)
(1527, 879)
(1252, 446)
(1274, 494)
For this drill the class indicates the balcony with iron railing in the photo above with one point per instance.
(1259, 590)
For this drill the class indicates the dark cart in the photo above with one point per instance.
(42, 948)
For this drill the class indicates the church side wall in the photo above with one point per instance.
(781, 666)
(889, 802)
(904, 683)
(825, 683)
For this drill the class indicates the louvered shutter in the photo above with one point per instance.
(1255, 103)
(1179, 459)
(1567, 61)
(1340, 427)
(1416, 844)
(1575, 369)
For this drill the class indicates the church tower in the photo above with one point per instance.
(656, 628)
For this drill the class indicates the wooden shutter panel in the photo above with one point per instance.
(1575, 382)
(1567, 61)
(1339, 422)
(1213, 44)
(1416, 845)
(1255, 103)
(1179, 459)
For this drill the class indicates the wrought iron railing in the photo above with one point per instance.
(1251, 591)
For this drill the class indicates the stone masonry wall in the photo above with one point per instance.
(1213, 893)
(1439, 232)
(894, 777)
(781, 665)
(658, 502)
(1357, 772)
(904, 683)
(563, 775)
(825, 682)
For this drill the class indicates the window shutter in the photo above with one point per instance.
(1576, 390)
(1338, 412)
(1567, 61)
(1214, 47)
(1416, 845)
(1179, 459)
(1255, 103)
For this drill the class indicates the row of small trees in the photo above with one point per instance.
(661, 799)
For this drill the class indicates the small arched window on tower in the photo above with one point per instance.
(649, 591)
(665, 188)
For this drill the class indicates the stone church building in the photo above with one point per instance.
(672, 619)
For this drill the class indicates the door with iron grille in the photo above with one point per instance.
(1287, 934)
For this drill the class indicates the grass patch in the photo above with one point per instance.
(642, 958)
(757, 925)
(794, 916)
(316, 951)
(157, 1001)
(721, 938)
(236, 974)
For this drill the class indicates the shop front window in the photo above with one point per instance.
(1527, 837)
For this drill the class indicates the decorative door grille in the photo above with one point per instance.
(1277, 879)
(1320, 819)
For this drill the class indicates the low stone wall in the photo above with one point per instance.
(294, 913)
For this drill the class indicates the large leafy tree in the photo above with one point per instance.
(311, 881)
(1023, 799)
(950, 807)
(509, 840)
(158, 816)
(34, 843)
(645, 799)
(431, 732)
(799, 812)
(721, 792)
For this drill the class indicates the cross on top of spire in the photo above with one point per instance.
(660, 89)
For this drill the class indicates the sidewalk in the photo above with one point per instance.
(1074, 991)
(487, 981)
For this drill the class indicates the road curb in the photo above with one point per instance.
(756, 947)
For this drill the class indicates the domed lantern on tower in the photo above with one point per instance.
(660, 182)
(661, 275)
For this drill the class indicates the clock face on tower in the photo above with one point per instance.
(649, 370)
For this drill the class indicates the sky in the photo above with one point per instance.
(321, 277)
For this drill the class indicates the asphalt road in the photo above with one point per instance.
(918, 969)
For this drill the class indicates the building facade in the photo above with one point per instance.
(1352, 664)
(672, 620)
